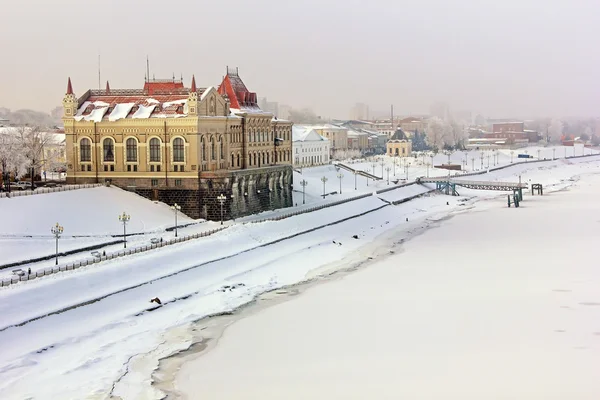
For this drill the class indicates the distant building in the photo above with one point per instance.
(360, 111)
(310, 148)
(440, 110)
(399, 145)
(284, 111)
(4, 122)
(411, 125)
(269, 106)
(337, 136)
(513, 132)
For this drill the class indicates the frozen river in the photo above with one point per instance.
(495, 303)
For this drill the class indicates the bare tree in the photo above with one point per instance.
(35, 143)
(12, 157)
(435, 134)
(555, 130)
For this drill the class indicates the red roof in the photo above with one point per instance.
(239, 95)
(69, 87)
(162, 86)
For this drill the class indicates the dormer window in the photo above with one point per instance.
(180, 110)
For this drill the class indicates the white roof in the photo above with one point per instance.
(302, 134)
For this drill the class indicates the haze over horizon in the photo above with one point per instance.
(514, 58)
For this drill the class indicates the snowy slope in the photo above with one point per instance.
(83, 212)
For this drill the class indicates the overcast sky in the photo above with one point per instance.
(501, 58)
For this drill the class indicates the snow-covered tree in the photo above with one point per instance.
(435, 133)
(13, 159)
(340, 155)
(587, 134)
(555, 130)
(35, 142)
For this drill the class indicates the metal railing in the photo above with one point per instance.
(46, 190)
(89, 261)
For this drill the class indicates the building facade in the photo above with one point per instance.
(399, 145)
(184, 145)
(310, 148)
(337, 136)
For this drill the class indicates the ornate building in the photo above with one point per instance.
(182, 145)
(399, 144)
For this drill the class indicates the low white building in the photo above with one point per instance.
(309, 147)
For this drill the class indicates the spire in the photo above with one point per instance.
(194, 84)
(107, 88)
(69, 87)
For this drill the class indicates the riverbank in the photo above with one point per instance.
(495, 304)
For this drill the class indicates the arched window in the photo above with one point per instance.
(109, 150)
(203, 149)
(254, 158)
(263, 158)
(221, 152)
(267, 158)
(85, 150)
(131, 145)
(212, 149)
(238, 160)
(178, 150)
(154, 150)
(232, 159)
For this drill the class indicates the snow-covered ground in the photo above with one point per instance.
(100, 337)
(88, 216)
(501, 304)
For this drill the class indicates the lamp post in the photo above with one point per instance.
(340, 176)
(388, 174)
(427, 164)
(382, 165)
(488, 160)
(355, 174)
(303, 183)
(472, 163)
(481, 160)
(554, 154)
(565, 147)
(539, 151)
(57, 230)
(374, 166)
(221, 199)
(406, 172)
(176, 207)
(324, 180)
(512, 153)
(367, 171)
(124, 218)
(466, 159)
(395, 165)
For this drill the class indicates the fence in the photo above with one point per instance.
(44, 190)
(95, 260)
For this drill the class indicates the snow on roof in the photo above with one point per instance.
(302, 134)
(120, 111)
(143, 111)
(208, 89)
(175, 102)
(96, 115)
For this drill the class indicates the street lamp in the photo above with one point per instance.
(382, 165)
(367, 171)
(553, 154)
(124, 218)
(395, 164)
(324, 179)
(482, 160)
(176, 207)
(406, 172)
(340, 176)
(303, 183)
(374, 166)
(488, 160)
(388, 174)
(355, 174)
(427, 164)
(472, 163)
(512, 152)
(56, 230)
(221, 199)
(539, 151)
